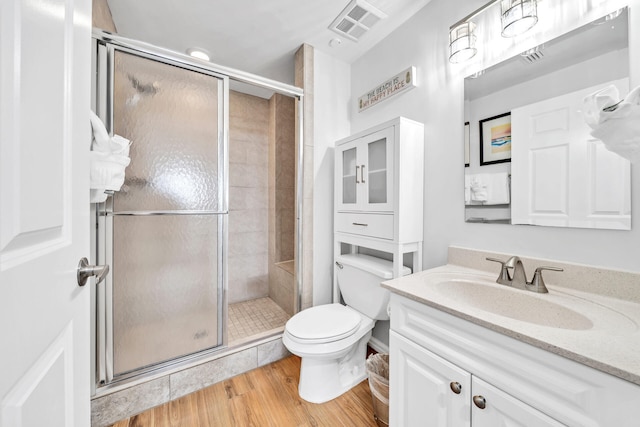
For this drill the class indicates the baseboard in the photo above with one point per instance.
(378, 345)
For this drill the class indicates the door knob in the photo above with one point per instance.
(85, 271)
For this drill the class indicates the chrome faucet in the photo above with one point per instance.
(519, 278)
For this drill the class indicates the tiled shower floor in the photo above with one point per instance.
(249, 320)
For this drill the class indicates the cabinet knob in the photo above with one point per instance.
(456, 387)
(480, 402)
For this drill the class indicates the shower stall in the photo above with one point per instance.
(203, 238)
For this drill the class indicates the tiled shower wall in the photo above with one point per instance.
(248, 197)
(282, 208)
(262, 198)
(284, 167)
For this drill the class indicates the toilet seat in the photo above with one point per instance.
(323, 323)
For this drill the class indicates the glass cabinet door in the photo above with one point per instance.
(349, 178)
(364, 173)
(376, 174)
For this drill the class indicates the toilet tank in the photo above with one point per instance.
(359, 278)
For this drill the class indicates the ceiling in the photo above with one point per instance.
(256, 36)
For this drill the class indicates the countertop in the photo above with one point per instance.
(599, 331)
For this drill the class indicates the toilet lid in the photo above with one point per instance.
(324, 323)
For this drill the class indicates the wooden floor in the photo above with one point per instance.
(266, 396)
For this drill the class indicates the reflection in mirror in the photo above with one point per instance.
(531, 157)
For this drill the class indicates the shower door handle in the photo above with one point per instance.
(85, 271)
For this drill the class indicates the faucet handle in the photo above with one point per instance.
(538, 282)
(503, 278)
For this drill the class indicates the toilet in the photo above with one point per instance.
(332, 339)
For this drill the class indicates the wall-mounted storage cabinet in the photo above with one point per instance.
(367, 172)
(379, 182)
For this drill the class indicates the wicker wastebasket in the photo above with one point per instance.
(378, 370)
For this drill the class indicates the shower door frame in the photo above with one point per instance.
(105, 46)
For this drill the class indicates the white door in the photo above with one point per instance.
(425, 389)
(494, 408)
(560, 175)
(44, 212)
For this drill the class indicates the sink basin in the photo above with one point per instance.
(516, 304)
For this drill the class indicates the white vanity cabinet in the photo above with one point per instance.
(434, 355)
(491, 407)
(379, 182)
(429, 389)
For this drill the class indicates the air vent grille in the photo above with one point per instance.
(356, 19)
(345, 26)
(532, 55)
(357, 13)
(370, 20)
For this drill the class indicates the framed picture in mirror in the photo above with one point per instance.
(495, 139)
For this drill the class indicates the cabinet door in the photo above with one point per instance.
(503, 410)
(364, 173)
(376, 171)
(422, 388)
(347, 177)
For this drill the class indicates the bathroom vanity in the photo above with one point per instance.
(465, 351)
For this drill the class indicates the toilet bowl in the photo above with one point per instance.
(332, 339)
(333, 364)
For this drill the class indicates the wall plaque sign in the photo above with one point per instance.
(399, 83)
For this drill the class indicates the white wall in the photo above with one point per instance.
(438, 102)
(332, 82)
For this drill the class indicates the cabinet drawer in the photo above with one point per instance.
(373, 225)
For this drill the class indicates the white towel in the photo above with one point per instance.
(467, 189)
(488, 188)
(109, 157)
(479, 191)
(617, 125)
(500, 193)
(595, 102)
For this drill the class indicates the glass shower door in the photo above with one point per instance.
(164, 227)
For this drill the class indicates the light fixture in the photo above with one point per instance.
(462, 42)
(199, 53)
(517, 16)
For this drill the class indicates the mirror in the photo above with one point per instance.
(529, 156)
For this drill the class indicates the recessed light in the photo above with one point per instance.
(199, 53)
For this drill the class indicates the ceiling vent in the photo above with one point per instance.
(356, 19)
(533, 55)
